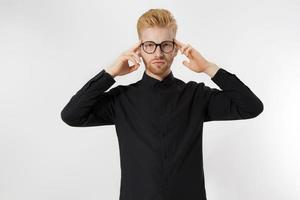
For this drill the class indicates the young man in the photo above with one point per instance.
(159, 119)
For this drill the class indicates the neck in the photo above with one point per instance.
(160, 76)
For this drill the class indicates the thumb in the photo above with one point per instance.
(186, 63)
(134, 67)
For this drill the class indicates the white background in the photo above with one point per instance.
(50, 49)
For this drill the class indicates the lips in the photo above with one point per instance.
(159, 61)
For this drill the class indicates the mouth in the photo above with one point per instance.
(158, 62)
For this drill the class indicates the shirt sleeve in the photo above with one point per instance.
(92, 105)
(233, 102)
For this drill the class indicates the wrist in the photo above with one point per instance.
(110, 72)
(211, 70)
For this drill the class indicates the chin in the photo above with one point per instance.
(156, 69)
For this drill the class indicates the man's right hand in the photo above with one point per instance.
(121, 66)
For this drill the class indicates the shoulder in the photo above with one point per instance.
(195, 85)
(191, 87)
(122, 89)
(200, 89)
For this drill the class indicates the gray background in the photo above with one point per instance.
(50, 49)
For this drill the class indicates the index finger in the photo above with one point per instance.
(180, 44)
(136, 46)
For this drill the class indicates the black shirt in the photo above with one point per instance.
(159, 128)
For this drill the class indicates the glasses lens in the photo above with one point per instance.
(167, 46)
(149, 47)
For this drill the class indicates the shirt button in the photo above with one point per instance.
(166, 156)
(164, 134)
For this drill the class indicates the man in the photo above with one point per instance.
(159, 119)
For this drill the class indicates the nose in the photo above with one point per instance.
(158, 51)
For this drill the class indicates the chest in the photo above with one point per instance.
(173, 107)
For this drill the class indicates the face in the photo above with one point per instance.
(157, 35)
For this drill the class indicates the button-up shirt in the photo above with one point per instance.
(159, 127)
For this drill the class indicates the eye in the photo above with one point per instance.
(149, 44)
(167, 44)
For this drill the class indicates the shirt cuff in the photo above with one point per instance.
(103, 79)
(220, 75)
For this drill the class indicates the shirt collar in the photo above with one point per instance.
(153, 82)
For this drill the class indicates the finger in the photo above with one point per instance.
(134, 56)
(137, 57)
(187, 48)
(180, 45)
(189, 51)
(130, 58)
(136, 46)
(186, 63)
(183, 49)
(138, 52)
(133, 68)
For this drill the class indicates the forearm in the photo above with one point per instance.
(235, 100)
(78, 109)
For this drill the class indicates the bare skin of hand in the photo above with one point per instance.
(197, 62)
(121, 67)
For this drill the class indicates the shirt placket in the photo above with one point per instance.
(164, 135)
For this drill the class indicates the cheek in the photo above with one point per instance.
(146, 58)
(170, 58)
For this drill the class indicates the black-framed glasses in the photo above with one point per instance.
(166, 46)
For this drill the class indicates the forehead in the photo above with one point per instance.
(156, 34)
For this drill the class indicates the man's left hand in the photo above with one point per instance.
(196, 62)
